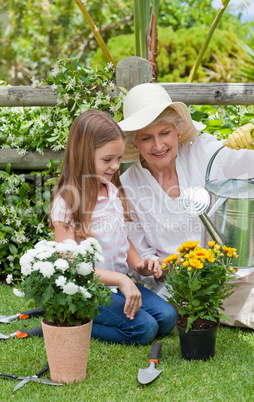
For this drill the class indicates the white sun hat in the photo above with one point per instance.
(143, 104)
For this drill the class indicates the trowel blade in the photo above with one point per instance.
(148, 375)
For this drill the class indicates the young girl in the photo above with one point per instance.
(88, 201)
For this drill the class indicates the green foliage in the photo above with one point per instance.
(178, 50)
(79, 89)
(199, 280)
(24, 207)
(60, 278)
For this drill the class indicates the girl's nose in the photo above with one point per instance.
(158, 145)
(115, 165)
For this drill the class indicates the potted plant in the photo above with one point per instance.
(198, 282)
(61, 279)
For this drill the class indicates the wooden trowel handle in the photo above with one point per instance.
(155, 353)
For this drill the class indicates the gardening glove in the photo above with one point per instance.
(242, 138)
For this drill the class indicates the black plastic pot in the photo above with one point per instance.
(197, 344)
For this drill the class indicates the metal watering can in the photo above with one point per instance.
(230, 221)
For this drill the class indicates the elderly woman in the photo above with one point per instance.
(170, 157)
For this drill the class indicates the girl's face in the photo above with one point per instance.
(107, 159)
(158, 144)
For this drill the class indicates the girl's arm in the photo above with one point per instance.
(132, 295)
(145, 267)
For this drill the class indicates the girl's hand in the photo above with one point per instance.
(149, 267)
(133, 300)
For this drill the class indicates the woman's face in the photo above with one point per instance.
(158, 144)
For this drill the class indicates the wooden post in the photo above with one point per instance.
(133, 71)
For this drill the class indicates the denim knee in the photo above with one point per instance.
(148, 332)
(167, 321)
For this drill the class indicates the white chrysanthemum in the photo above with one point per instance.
(85, 292)
(26, 259)
(83, 250)
(26, 269)
(60, 281)
(61, 264)
(62, 248)
(32, 252)
(94, 243)
(44, 256)
(70, 288)
(9, 278)
(47, 269)
(40, 249)
(84, 268)
(41, 243)
(36, 266)
(99, 257)
(18, 293)
(70, 242)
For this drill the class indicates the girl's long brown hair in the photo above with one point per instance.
(77, 184)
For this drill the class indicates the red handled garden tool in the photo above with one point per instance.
(23, 333)
(27, 379)
(21, 316)
(145, 376)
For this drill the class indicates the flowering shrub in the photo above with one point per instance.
(60, 278)
(200, 280)
(79, 88)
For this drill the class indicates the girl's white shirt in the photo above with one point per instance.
(159, 226)
(107, 225)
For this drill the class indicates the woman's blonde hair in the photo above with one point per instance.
(78, 184)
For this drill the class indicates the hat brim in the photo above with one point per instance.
(145, 116)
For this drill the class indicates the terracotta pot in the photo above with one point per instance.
(197, 344)
(67, 351)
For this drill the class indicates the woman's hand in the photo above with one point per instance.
(149, 267)
(133, 300)
(242, 138)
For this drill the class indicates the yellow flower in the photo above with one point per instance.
(195, 263)
(164, 266)
(211, 244)
(171, 258)
(185, 264)
(189, 269)
(210, 256)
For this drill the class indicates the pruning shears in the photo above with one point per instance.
(27, 379)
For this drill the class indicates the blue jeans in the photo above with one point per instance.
(155, 317)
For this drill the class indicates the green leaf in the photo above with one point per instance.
(8, 168)
(13, 249)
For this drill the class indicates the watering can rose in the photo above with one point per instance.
(60, 278)
(198, 280)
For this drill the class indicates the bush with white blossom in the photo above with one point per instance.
(61, 279)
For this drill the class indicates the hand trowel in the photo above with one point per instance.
(145, 376)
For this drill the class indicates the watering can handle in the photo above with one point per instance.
(208, 169)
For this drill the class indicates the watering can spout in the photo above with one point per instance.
(218, 237)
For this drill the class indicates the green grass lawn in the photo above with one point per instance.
(112, 369)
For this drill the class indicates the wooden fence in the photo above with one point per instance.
(129, 72)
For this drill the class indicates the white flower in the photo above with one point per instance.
(99, 257)
(62, 264)
(26, 259)
(62, 248)
(80, 249)
(70, 288)
(70, 242)
(18, 293)
(41, 243)
(84, 268)
(94, 243)
(36, 266)
(47, 269)
(26, 269)
(9, 278)
(32, 252)
(85, 292)
(44, 255)
(60, 281)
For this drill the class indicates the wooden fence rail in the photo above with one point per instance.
(191, 94)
